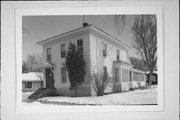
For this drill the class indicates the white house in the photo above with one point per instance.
(102, 52)
(31, 82)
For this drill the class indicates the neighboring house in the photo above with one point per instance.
(155, 78)
(102, 52)
(31, 82)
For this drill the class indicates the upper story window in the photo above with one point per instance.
(104, 49)
(80, 45)
(117, 54)
(63, 51)
(49, 54)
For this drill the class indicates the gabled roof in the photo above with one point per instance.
(90, 26)
(31, 76)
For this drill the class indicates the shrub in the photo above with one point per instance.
(100, 82)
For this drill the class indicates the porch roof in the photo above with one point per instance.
(45, 64)
(122, 62)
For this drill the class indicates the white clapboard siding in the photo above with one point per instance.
(96, 55)
(58, 61)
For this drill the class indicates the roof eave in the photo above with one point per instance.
(62, 35)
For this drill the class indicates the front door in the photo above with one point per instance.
(49, 78)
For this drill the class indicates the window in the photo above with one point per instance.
(80, 45)
(116, 72)
(104, 49)
(63, 51)
(125, 75)
(117, 54)
(105, 70)
(63, 74)
(28, 84)
(49, 54)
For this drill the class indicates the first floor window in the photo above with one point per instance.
(116, 72)
(63, 74)
(105, 70)
(28, 84)
(125, 75)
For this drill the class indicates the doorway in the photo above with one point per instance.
(49, 78)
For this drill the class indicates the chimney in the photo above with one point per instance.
(85, 24)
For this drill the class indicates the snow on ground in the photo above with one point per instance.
(146, 96)
(25, 95)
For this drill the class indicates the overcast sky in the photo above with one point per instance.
(37, 28)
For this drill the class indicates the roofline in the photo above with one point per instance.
(137, 70)
(40, 42)
(111, 36)
(116, 39)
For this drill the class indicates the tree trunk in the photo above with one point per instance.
(150, 77)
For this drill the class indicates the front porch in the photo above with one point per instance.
(126, 77)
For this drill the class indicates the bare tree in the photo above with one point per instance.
(31, 64)
(145, 40)
(138, 63)
(119, 22)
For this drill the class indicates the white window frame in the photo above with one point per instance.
(49, 53)
(64, 49)
(27, 85)
(78, 47)
(127, 73)
(104, 55)
(64, 82)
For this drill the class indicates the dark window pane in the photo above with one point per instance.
(116, 71)
(49, 54)
(63, 74)
(117, 54)
(105, 69)
(28, 85)
(80, 45)
(63, 51)
(104, 49)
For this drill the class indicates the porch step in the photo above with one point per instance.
(42, 92)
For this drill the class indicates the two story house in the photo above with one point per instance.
(101, 51)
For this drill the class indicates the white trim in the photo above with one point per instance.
(127, 68)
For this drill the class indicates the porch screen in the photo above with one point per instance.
(125, 75)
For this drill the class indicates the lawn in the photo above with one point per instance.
(137, 97)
